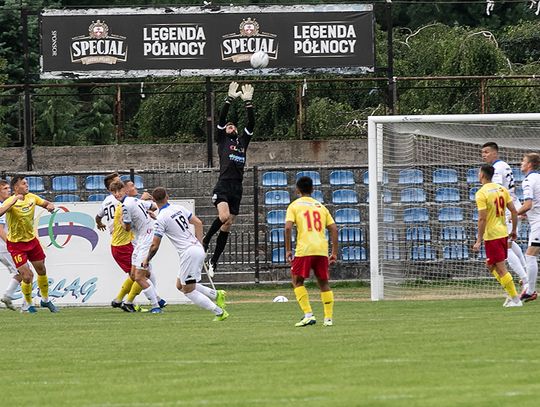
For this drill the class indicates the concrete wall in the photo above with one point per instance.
(146, 156)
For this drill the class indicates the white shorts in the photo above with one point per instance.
(7, 260)
(534, 234)
(140, 251)
(191, 263)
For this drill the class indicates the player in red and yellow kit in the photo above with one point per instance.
(492, 201)
(22, 243)
(311, 219)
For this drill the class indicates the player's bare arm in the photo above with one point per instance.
(49, 206)
(482, 219)
(8, 203)
(288, 241)
(511, 207)
(527, 206)
(156, 242)
(197, 223)
(334, 239)
(100, 225)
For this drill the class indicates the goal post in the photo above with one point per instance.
(423, 171)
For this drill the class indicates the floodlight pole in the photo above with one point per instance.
(27, 105)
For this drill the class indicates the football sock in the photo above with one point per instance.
(43, 284)
(496, 275)
(210, 293)
(303, 300)
(26, 290)
(214, 227)
(135, 290)
(151, 295)
(508, 284)
(519, 253)
(12, 286)
(220, 245)
(204, 302)
(327, 298)
(125, 289)
(515, 265)
(532, 269)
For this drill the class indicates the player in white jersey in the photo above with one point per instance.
(530, 165)
(173, 221)
(504, 176)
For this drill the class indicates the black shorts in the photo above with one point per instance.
(230, 192)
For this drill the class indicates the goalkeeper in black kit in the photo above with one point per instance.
(232, 148)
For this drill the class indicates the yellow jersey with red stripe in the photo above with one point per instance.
(119, 236)
(493, 198)
(311, 219)
(20, 217)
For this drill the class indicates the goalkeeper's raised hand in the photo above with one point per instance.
(247, 92)
(233, 90)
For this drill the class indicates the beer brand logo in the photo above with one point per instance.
(249, 27)
(99, 46)
(238, 47)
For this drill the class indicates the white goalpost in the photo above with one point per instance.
(423, 171)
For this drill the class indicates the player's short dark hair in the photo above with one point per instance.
(491, 144)
(159, 194)
(534, 159)
(110, 178)
(15, 179)
(3, 182)
(116, 186)
(305, 185)
(488, 170)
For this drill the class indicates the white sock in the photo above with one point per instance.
(532, 268)
(210, 293)
(519, 253)
(151, 295)
(515, 265)
(12, 286)
(154, 283)
(203, 301)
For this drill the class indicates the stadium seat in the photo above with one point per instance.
(475, 215)
(278, 235)
(314, 175)
(64, 183)
(318, 195)
(518, 175)
(67, 198)
(353, 253)
(451, 214)
(519, 193)
(413, 195)
(97, 197)
(276, 217)
(453, 233)
(351, 235)
(422, 253)
(94, 182)
(344, 196)
(390, 234)
(274, 179)
(420, 233)
(386, 196)
(411, 176)
(137, 179)
(342, 177)
(277, 197)
(456, 252)
(388, 215)
(35, 184)
(366, 177)
(472, 193)
(523, 231)
(445, 176)
(278, 255)
(447, 195)
(472, 176)
(391, 252)
(411, 215)
(347, 215)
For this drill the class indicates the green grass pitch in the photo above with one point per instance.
(390, 353)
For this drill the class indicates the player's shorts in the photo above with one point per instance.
(534, 234)
(21, 252)
(302, 265)
(140, 251)
(122, 255)
(191, 263)
(496, 250)
(228, 191)
(6, 260)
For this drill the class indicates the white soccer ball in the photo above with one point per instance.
(280, 298)
(259, 60)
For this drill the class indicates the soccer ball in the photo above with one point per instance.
(280, 298)
(259, 60)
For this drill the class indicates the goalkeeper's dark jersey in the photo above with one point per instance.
(232, 151)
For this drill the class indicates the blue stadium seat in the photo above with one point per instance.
(413, 195)
(411, 215)
(277, 235)
(97, 197)
(472, 176)
(137, 180)
(94, 182)
(35, 184)
(366, 177)
(390, 234)
(472, 193)
(391, 252)
(456, 252)
(523, 231)
(344, 196)
(347, 215)
(453, 233)
(318, 195)
(447, 195)
(64, 183)
(278, 255)
(67, 198)
(411, 176)
(420, 233)
(519, 193)
(422, 253)
(445, 176)
(314, 175)
(342, 177)
(451, 214)
(388, 215)
(475, 215)
(518, 175)
(276, 217)
(351, 235)
(277, 197)
(274, 179)
(386, 196)
(353, 253)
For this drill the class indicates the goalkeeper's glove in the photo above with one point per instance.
(247, 92)
(233, 91)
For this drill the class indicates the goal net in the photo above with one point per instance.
(423, 224)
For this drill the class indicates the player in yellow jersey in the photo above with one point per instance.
(311, 219)
(492, 201)
(22, 243)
